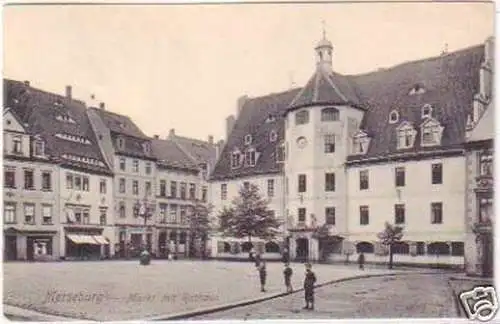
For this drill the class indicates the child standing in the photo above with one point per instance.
(361, 261)
(309, 282)
(262, 275)
(288, 277)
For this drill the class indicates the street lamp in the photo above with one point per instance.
(145, 210)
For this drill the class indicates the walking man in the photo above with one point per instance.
(309, 281)
(361, 261)
(262, 275)
(288, 277)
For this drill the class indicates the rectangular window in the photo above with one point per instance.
(302, 183)
(399, 214)
(17, 146)
(330, 215)
(437, 213)
(122, 164)
(182, 214)
(148, 167)
(235, 159)
(29, 214)
(302, 214)
(78, 217)
(9, 178)
(204, 194)
(9, 212)
(85, 185)
(363, 180)
(270, 187)
(457, 248)
(329, 181)
(437, 173)
(39, 148)
(148, 188)
(46, 214)
(280, 153)
(69, 181)
(86, 218)
(135, 166)
(122, 185)
(163, 214)
(78, 182)
(192, 191)
(420, 248)
(364, 215)
(183, 190)
(223, 191)
(400, 177)
(163, 188)
(102, 186)
(250, 158)
(102, 217)
(302, 117)
(123, 213)
(46, 181)
(135, 187)
(172, 214)
(173, 189)
(29, 181)
(329, 143)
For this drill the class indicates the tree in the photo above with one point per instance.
(389, 236)
(200, 224)
(249, 216)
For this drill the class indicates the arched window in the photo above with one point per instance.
(272, 247)
(329, 114)
(426, 111)
(393, 117)
(227, 247)
(438, 248)
(246, 246)
(301, 117)
(365, 247)
(400, 248)
(273, 136)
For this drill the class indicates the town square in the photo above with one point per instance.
(248, 161)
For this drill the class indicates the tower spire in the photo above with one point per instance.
(324, 51)
(323, 28)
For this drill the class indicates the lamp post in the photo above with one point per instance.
(144, 209)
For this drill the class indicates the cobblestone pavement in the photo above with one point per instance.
(123, 290)
(412, 295)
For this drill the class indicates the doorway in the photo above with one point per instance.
(10, 248)
(302, 249)
(487, 247)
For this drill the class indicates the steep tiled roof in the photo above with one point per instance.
(120, 125)
(168, 153)
(485, 127)
(450, 82)
(200, 151)
(252, 120)
(40, 110)
(326, 87)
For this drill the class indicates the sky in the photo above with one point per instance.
(184, 66)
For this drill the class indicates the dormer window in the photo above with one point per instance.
(235, 159)
(280, 153)
(302, 117)
(406, 135)
(248, 139)
(65, 118)
(250, 157)
(432, 132)
(73, 138)
(273, 136)
(426, 111)
(271, 118)
(147, 148)
(329, 114)
(17, 144)
(39, 148)
(360, 143)
(417, 89)
(120, 142)
(393, 117)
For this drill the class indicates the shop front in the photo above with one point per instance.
(30, 245)
(85, 243)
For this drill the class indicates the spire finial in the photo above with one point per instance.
(323, 24)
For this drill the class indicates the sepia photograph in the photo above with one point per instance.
(248, 161)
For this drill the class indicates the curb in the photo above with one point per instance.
(33, 315)
(214, 309)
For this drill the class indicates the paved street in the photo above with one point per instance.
(122, 290)
(412, 295)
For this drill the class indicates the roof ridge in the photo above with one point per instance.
(184, 150)
(330, 81)
(316, 86)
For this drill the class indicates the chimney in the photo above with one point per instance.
(171, 133)
(102, 105)
(211, 139)
(240, 103)
(27, 83)
(218, 149)
(229, 125)
(68, 91)
(156, 136)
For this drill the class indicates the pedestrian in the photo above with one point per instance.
(286, 255)
(361, 261)
(251, 255)
(309, 281)
(262, 275)
(257, 260)
(288, 277)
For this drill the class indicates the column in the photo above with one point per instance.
(167, 242)
(293, 248)
(177, 238)
(313, 249)
(187, 245)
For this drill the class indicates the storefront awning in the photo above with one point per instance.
(82, 239)
(101, 239)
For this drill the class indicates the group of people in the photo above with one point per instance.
(309, 279)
